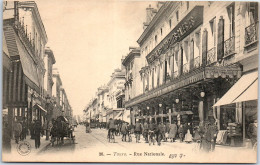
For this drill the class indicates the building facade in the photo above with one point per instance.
(25, 40)
(191, 54)
(115, 84)
(132, 63)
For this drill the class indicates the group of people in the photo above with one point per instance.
(205, 134)
(20, 131)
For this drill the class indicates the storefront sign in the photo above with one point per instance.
(183, 29)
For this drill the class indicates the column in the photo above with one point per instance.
(170, 116)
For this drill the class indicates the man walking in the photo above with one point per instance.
(17, 130)
(138, 130)
(37, 133)
(145, 129)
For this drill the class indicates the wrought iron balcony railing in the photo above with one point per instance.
(211, 56)
(185, 68)
(175, 74)
(251, 33)
(229, 46)
(20, 28)
(196, 63)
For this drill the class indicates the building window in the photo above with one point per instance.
(253, 12)
(170, 23)
(161, 31)
(177, 16)
(213, 30)
(155, 39)
(165, 71)
(188, 5)
(231, 16)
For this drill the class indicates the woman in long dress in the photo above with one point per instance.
(173, 131)
(188, 136)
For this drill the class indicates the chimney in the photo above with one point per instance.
(150, 12)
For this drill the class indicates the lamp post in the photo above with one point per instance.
(48, 103)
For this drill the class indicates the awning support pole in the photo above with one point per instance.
(244, 122)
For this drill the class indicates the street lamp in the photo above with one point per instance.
(177, 100)
(202, 94)
(160, 105)
(147, 108)
(48, 102)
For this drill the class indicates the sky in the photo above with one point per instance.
(88, 39)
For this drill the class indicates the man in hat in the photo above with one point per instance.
(145, 130)
(138, 130)
(111, 126)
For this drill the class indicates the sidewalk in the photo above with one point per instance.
(33, 150)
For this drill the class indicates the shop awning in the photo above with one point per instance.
(239, 90)
(40, 107)
(29, 66)
(249, 94)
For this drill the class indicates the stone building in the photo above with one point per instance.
(25, 40)
(191, 54)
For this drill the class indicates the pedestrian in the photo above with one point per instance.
(111, 127)
(145, 131)
(214, 133)
(181, 132)
(188, 136)
(164, 132)
(32, 129)
(17, 130)
(252, 132)
(138, 130)
(167, 129)
(173, 131)
(206, 137)
(6, 138)
(196, 137)
(160, 132)
(24, 130)
(37, 133)
(124, 131)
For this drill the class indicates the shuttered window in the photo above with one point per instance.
(220, 48)
(191, 54)
(204, 47)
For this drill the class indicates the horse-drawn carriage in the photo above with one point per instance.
(60, 129)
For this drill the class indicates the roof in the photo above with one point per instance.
(154, 21)
(50, 54)
(32, 4)
(134, 52)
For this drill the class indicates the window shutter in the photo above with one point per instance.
(204, 47)
(191, 54)
(181, 62)
(220, 50)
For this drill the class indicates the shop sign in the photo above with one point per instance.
(183, 29)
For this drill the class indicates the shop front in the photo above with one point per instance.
(187, 99)
(237, 109)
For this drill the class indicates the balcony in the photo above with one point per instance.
(175, 74)
(229, 46)
(194, 76)
(185, 68)
(251, 34)
(211, 56)
(196, 63)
